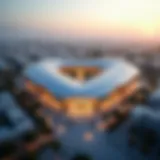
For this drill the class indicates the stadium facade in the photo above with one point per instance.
(83, 88)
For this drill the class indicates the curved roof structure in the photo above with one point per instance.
(116, 72)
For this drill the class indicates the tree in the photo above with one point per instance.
(30, 136)
(29, 156)
(149, 140)
(132, 136)
(56, 145)
(7, 149)
(46, 130)
(82, 157)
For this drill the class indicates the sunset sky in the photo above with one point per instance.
(133, 19)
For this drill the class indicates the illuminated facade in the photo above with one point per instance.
(82, 88)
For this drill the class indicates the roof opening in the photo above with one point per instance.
(81, 73)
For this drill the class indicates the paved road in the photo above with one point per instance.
(100, 145)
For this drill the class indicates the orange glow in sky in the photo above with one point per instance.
(135, 18)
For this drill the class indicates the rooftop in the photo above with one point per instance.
(46, 73)
(13, 121)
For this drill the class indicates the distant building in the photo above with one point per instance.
(3, 69)
(143, 120)
(82, 88)
(13, 121)
(154, 99)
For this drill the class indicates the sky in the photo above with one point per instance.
(100, 19)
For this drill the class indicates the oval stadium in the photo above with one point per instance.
(78, 109)
(83, 88)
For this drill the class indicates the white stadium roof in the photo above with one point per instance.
(116, 72)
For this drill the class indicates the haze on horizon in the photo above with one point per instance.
(122, 20)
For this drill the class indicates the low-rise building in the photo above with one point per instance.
(13, 121)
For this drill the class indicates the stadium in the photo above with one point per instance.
(83, 88)
(78, 109)
(79, 80)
